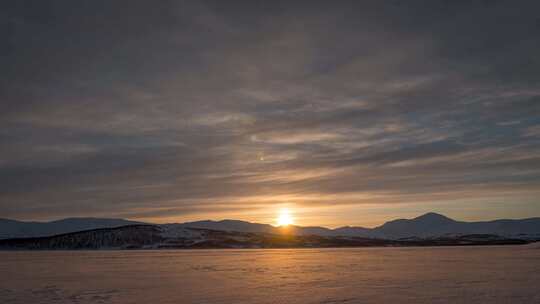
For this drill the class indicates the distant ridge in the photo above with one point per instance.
(429, 225)
(18, 229)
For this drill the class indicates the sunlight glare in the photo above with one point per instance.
(284, 218)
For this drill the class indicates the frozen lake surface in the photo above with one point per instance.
(509, 274)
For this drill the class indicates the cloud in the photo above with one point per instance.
(532, 131)
(176, 109)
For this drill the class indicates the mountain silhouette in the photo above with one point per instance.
(428, 225)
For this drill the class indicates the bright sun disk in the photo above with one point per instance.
(284, 218)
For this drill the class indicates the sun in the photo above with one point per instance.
(284, 217)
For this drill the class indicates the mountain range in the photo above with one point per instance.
(425, 226)
(429, 225)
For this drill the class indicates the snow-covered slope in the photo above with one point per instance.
(18, 229)
(243, 226)
(177, 236)
(231, 225)
(435, 225)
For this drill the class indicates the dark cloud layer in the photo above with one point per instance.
(174, 109)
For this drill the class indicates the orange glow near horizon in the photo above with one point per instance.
(284, 217)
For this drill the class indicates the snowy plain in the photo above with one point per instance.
(485, 274)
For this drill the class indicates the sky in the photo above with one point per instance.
(342, 112)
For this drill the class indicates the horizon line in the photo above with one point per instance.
(260, 223)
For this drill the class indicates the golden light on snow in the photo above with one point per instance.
(284, 217)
